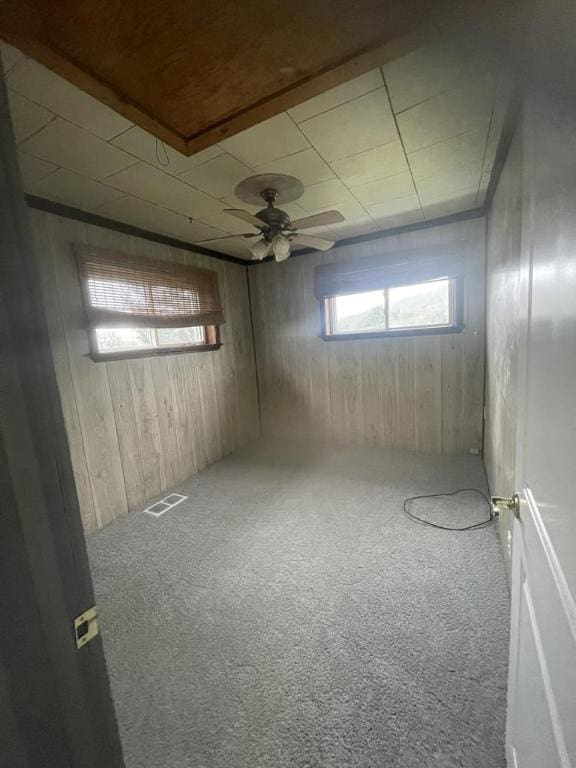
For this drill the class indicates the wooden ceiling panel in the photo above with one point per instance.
(194, 72)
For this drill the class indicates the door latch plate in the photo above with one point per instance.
(86, 627)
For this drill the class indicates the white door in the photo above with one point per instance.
(541, 729)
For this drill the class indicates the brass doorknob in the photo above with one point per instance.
(507, 502)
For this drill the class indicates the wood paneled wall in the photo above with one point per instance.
(503, 254)
(420, 393)
(138, 427)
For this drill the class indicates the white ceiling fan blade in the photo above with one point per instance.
(227, 237)
(313, 242)
(318, 220)
(245, 216)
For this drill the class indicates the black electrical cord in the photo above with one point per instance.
(410, 499)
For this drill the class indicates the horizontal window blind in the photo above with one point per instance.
(127, 291)
(386, 271)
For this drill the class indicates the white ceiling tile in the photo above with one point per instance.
(147, 147)
(197, 231)
(27, 117)
(307, 166)
(66, 145)
(353, 225)
(156, 187)
(61, 97)
(10, 57)
(393, 208)
(461, 152)
(430, 71)
(267, 141)
(32, 169)
(294, 210)
(141, 214)
(218, 177)
(336, 96)
(231, 201)
(78, 191)
(354, 127)
(229, 224)
(324, 194)
(445, 185)
(400, 219)
(145, 215)
(319, 232)
(374, 164)
(345, 230)
(451, 114)
(352, 211)
(460, 201)
(400, 185)
(233, 247)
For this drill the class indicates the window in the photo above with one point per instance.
(427, 305)
(407, 293)
(138, 308)
(110, 340)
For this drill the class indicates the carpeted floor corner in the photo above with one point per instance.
(289, 615)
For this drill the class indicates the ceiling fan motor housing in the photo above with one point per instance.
(274, 219)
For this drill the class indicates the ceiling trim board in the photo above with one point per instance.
(280, 101)
(94, 86)
(68, 212)
(306, 89)
(472, 213)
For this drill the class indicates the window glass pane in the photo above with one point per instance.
(116, 339)
(420, 305)
(359, 312)
(175, 336)
(134, 339)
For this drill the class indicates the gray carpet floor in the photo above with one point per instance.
(288, 614)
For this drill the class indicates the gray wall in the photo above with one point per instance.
(138, 427)
(421, 393)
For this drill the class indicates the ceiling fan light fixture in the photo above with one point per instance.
(281, 247)
(260, 249)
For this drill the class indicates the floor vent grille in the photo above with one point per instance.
(160, 507)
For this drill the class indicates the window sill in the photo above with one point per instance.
(106, 357)
(392, 334)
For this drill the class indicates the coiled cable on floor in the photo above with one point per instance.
(408, 502)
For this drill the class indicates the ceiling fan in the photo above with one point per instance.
(277, 232)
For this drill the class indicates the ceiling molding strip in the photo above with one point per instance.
(58, 209)
(472, 213)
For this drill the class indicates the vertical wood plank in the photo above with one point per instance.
(127, 430)
(346, 391)
(409, 393)
(48, 258)
(451, 393)
(428, 393)
(137, 427)
(90, 382)
(405, 419)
